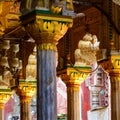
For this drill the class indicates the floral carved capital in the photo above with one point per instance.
(5, 95)
(47, 28)
(73, 77)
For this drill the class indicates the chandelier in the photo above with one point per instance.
(10, 63)
(116, 2)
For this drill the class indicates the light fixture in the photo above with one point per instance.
(10, 62)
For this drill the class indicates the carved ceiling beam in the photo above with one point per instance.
(97, 5)
(10, 23)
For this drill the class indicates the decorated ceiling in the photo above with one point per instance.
(10, 13)
(10, 23)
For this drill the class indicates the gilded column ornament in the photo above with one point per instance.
(115, 60)
(5, 94)
(48, 28)
(47, 46)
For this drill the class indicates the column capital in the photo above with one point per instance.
(5, 95)
(47, 46)
(44, 26)
(115, 63)
(115, 60)
(27, 90)
(74, 76)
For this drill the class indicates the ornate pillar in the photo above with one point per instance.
(46, 29)
(5, 95)
(73, 79)
(26, 91)
(115, 87)
(85, 58)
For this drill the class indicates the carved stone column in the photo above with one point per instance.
(46, 30)
(73, 79)
(115, 87)
(5, 95)
(26, 90)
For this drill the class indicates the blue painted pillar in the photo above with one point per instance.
(46, 82)
(46, 29)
